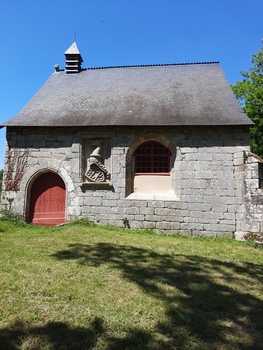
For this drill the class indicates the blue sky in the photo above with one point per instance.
(35, 34)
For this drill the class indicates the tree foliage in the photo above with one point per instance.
(249, 92)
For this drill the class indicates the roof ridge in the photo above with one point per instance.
(152, 65)
(149, 65)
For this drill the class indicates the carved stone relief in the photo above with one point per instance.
(97, 161)
(96, 170)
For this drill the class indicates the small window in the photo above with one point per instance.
(152, 158)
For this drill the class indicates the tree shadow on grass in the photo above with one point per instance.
(54, 335)
(207, 302)
(205, 299)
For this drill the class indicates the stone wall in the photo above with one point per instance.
(214, 190)
(249, 196)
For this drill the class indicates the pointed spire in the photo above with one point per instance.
(73, 59)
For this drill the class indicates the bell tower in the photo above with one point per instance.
(73, 59)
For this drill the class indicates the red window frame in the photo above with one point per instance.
(152, 157)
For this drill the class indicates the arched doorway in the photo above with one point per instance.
(47, 200)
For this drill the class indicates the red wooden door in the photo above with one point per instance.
(47, 200)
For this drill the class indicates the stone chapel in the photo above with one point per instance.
(161, 147)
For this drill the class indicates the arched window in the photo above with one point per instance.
(152, 158)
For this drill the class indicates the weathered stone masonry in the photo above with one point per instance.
(215, 188)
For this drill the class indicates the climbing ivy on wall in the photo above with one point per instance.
(16, 163)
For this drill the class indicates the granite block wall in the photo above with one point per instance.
(215, 187)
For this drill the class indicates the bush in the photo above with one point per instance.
(256, 237)
(15, 219)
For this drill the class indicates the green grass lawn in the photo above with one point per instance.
(88, 287)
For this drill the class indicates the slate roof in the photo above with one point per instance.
(167, 95)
